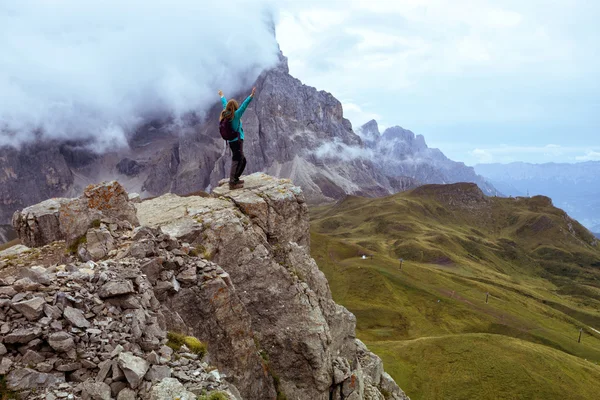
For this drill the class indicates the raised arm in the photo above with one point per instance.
(240, 111)
(223, 99)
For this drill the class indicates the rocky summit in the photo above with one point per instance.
(177, 297)
(292, 131)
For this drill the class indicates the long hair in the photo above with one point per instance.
(229, 110)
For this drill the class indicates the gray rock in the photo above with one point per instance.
(61, 341)
(76, 317)
(27, 379)
(3, 350)
(96, 390)
(52, 312)
(105, 200)
(158, 373)
(23, 335)
(32, 358)
(39, 225)
(115, 288)
(32, 309)
(134, 368)
(170, 388)
(127, 394)
(5, 365)
(99, 242)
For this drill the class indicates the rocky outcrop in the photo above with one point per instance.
(259, 237)
(232, 270)
(70, 219)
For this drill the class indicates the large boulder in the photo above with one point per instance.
(39, 224)
(106, 200)
(70, 219)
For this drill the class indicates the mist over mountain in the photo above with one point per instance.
(572, 187)
(400, 152)
(95, 71)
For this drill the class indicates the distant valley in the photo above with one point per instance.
(572, 187)
(490, 288)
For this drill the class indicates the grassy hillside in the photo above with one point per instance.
(540, 268)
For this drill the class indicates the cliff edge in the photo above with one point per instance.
(232, 270)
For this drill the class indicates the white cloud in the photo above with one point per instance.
(483, 156)
(458, 64)
(546, 153)
(589, 156)
(95, 69)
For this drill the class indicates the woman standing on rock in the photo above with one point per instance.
(233, 112)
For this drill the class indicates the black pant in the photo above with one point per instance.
(238, 161)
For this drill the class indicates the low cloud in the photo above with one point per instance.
(546, 153)
(343, 151)
(94, 70)
(589, 156)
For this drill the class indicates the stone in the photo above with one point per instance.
(27, 379)
(32, 358)
(134, 368)
(52, 312)
(188, 276)
(39, 225)
(3, 350)
(5, 365)
(32, 309)
(116, 387)
(7, 291)
(115, 288)
(23, 335)
(152, 270)
(96, 390)
(158, 373)
(127, 394)
(105, 200)
(99, 242)
(26, 285)
(11, 252)
(76, 317)
(170, 388)
(68, 366)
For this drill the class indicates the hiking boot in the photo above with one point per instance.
(238, 181)
(236, 185)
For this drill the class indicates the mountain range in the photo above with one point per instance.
(292, 131)
(572, 187)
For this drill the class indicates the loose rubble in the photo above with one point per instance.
(232, 270)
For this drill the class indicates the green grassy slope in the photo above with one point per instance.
(540, 268)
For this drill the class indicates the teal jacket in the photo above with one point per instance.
(236, 123)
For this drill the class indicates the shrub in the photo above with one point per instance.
(176, 340)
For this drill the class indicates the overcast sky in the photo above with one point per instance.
(485, 81)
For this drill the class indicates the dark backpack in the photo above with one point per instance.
(226, 129)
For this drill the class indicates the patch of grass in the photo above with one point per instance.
(277, 384)
(96, 223)
(72, 249)
(458, 246)
(6, 394)
(484, 366)
(176, 340)
(213, 396)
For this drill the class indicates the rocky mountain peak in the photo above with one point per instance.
(232, 270)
